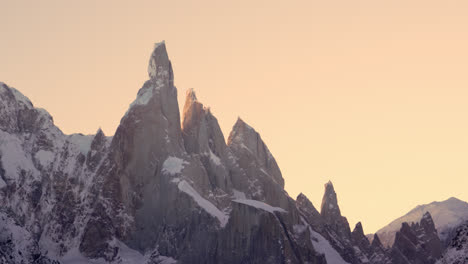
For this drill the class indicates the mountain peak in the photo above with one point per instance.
(358, 229)
(17, 95)
(454, 199)
(193, 111)
(302, 196)
(244, 139)
(191, 94)
(241, 124)
(427, 223)
(159, 64)
(330, 206)
(376, 241)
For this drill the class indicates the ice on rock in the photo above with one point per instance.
(173, 165)
(83, 142)
(238, 195)
(158, 50)
(215, 159)
(21, 98)
(13, 156)
(44, 157)
(160, 73)
(260, 205)
(323, 247)
(203, 203)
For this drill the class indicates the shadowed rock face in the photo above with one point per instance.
(359, 238)
(417, 243)
(353, 247)
(244, 140)
(331, 213)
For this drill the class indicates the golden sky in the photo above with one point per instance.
(371, 94)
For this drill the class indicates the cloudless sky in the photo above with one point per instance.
(372, 95)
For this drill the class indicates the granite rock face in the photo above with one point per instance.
(155, 192)
(165, 190)
(353, 247)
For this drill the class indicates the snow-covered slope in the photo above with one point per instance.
(457, 251)
(447, 215)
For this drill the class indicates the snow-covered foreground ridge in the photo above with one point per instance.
(158, 191)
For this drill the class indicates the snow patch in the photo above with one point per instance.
(238, 194)
(20, 97)
(322, 246)
(260, 205)
(299, 229)
(44, 157)
(13, 157)
(125, 255)
(215, 159)
(145, 94)
(165, 260)
(173, 165)
(203, 203)
(143, 98)
(82, 142)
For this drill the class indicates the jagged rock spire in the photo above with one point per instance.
(306, 206)
(330, 209)
(427, 223)
(331, 213)
(358, 229)
(159, 63)
(244, 139)
(359, 238)
(200, 128)
(376, 242)
(418, 242)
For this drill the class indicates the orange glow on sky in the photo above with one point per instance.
(369, 94)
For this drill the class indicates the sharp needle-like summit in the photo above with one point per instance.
(165, 191)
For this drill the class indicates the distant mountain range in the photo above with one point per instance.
(165, 191)
(447, 215)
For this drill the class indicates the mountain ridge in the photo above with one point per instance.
(158, 187)
(447, 214)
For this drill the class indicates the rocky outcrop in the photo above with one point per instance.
(417, 243)
(354, 247)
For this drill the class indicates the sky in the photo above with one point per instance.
(370, 94)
